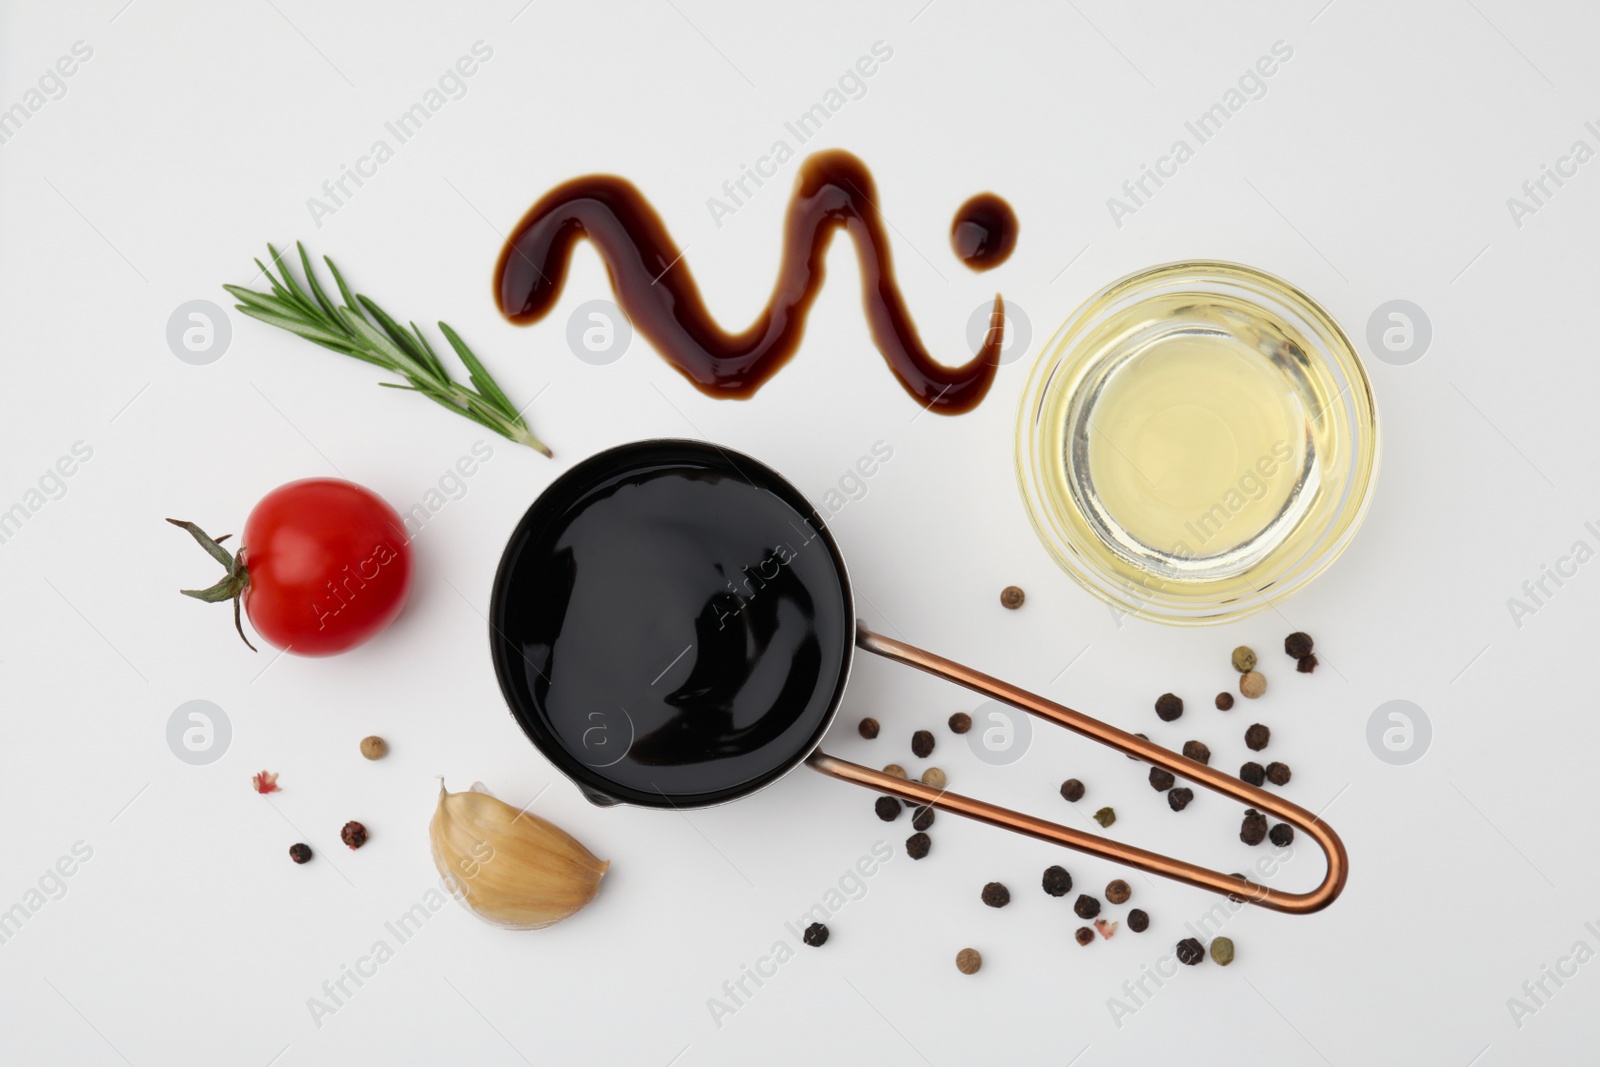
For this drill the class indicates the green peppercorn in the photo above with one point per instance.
(1244, 659)
(1105, 817)
(1222, 951)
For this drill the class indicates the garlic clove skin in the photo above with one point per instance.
(511, 868)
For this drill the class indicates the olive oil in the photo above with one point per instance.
(1192, 446)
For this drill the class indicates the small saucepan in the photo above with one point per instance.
(673, 627)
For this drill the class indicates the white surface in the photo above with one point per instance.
(1376, 166)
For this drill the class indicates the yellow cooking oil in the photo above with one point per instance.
(1190, 450)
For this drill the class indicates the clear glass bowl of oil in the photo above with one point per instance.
(1196, 442)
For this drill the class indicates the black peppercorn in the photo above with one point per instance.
(868, 728)
(353, 834)
(1256, 737)
(1160, 780)
(1282, 835)
(922, 819)
(1072, 790)
(996, 895)
(1224, 701)
(1118, 891)
(1142, 737)
(1169, 707)
(1279, 773)
(1138, 920)
(1307, 664)
(1298, 645)
(816, 935)
(1252, 774)
(922, 744)
(1057, 881)
(917, 845)
(1197, 751)
(1179, 798)
(1086, 907)
(300, 853)
(960, 722)
(1084, 935)
(1190, 952)
(888, 808)
(1253, 830)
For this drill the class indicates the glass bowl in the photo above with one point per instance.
(1198, 440)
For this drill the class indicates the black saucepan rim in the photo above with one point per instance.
(550, 504)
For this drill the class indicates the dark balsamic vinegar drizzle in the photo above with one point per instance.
(984, 232)
(834, 191)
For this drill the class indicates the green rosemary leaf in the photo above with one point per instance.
(374, 341)
(344, 290)
(316, 286)
(402, 340)
(286, 276)
(281, 292)
(475, 370)
(310, 331)
(433, 357)
(266, 301)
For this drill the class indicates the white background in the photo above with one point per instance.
(1377, 166)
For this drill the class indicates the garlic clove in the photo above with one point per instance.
(510, 867)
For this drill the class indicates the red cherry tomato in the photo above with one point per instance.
(329, 565)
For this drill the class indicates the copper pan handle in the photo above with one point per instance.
(1141, 859)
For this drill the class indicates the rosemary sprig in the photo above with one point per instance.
(358, 327)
